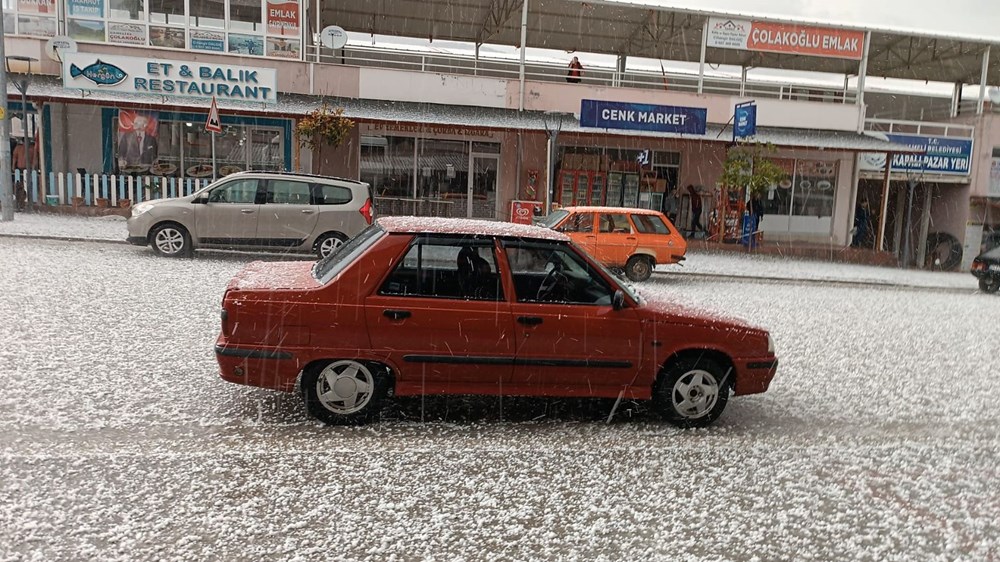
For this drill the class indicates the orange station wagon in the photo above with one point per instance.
(452, 306)
(635, 240)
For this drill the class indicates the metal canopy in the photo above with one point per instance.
(637, 30)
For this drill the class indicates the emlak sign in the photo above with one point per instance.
(643, 117)
(728, 33)
(140, 75)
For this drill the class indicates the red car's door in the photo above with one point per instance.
(442, 319)
(570, 338)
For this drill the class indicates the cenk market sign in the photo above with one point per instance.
(643, 117)
(791, 39)
(137, 75)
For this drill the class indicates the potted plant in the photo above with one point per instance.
(102, 202)
(323, 127)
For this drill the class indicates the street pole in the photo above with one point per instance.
(214, 168)
(6, 189)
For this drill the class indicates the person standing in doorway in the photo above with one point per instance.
(670, 205)
(695, 210)
(575, 71)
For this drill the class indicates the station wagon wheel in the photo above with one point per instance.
(329, 243)
(639, 268)
(170, 240)
(989, 284)
(343, 392)
(692, 392)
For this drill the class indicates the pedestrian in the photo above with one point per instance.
(756, 208)
(670, 205)
(575, 71)
(695, 209)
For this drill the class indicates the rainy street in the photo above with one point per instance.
(878, 440)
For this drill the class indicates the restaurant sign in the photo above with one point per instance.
(786, 38)
(643, 117)
(140, 75)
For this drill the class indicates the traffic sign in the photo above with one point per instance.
(213, 124)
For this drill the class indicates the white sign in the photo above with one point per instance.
(994, 187)
(57, 46)
(213, 124)
(159, 77)
(333, 37)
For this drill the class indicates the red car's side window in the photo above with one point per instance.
(554, 273)
(449, 268)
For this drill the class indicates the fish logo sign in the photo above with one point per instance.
(100, 73)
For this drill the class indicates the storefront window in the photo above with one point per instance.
(246, 15)
(166, 11)
(127, 9)
(614, 176)
(207, 13)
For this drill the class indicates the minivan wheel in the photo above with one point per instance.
(343, 392)
(329, 243)
(170, 240)
(692, 392)
(639, 268)
(989, 284)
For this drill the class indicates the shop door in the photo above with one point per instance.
(482, 201)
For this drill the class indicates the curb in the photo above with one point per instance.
(823, 282)
(62, 238)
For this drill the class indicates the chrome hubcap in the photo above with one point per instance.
(330, 245)
(695, 394)
(169, 241)
(345, 387)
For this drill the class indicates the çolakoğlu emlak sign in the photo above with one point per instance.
(643, 117)
(137, 75)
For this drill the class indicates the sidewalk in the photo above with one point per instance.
(699, 262)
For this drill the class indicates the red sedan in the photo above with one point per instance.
(450, 306)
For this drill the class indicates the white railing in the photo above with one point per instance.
(904, 127)
(103, 190)
(465, 64)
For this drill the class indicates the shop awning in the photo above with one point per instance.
(429, 115)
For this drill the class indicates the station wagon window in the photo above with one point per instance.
(329, 267)
(288, 192)
(615, 222)
(554, 218)
(650, 224)
(449, 268)
(579, 222)
(553, 273)
(237, 191)
(332, 194)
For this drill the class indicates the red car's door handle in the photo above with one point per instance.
(529, 320)
(396, 314)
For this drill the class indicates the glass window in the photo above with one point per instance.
(650, 224)
(246, 15)
(208, 13)
(127, 9)
(288, 192)
(237, 191)
(457, 268)
(579, 222)
(166, 11)
(615, 222)
(332, 194)
(329, 267)
(554, 218)
(554, 273)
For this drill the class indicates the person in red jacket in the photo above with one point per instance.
(695, 209)
(575, 71)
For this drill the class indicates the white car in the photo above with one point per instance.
(256, 211)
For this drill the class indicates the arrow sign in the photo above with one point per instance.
(212, 124)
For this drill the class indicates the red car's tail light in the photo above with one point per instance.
(366, 211)
(225, 323)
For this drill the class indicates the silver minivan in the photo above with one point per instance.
(273, 211)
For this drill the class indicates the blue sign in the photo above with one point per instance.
(943, 155)
(85, 8)
(745, 120)
(643, 117)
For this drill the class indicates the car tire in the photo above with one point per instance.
(344, 392)
(989, 284)
(944, 252)
(639, 268)
(170, 240)
(328, 243)
(692, 391)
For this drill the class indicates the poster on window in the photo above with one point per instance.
(283, 18)
(282, 48)
(36, 7)
(208, 41)
(127, 33)
(86, 30)
(138, 146)
(171, 37)
(246, 44)
(85, 8)
(8, 23)
(36, 25)
(994, 188)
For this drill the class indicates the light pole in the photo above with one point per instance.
(553, 125)
(6, 187)
(14, 64)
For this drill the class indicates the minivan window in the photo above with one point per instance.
(329, 267)
(332, 194)
(243, 192)
(288, 192)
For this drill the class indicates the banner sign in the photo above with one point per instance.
(942, 155)
(725, 33)
(85, 8)
(643, 117)
(154, 76)
(745, 120)
(283, 17)
(994, 187)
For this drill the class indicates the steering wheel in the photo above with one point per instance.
(553, 286)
